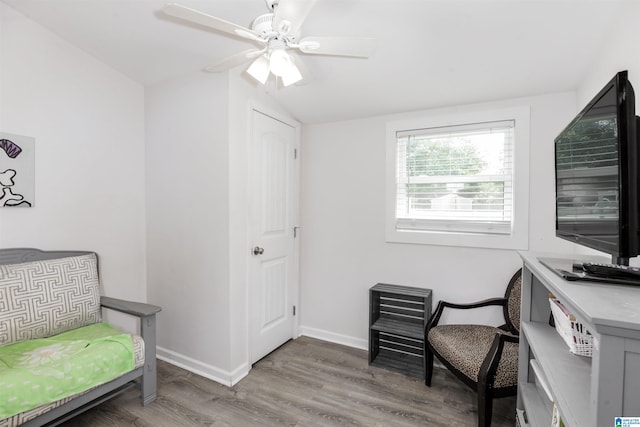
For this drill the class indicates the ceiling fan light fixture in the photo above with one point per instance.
(259, 69)
(279, 62)
(276, 32)
(292, 75)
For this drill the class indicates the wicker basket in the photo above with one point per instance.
(577, 337)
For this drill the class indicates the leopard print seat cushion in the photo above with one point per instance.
(465, 347)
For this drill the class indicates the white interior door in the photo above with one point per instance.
(273, 266)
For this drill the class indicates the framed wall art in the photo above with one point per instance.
(17, 170)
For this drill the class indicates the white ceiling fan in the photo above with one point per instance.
(277, 33)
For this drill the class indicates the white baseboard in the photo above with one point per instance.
(228, 378)
(334, 338)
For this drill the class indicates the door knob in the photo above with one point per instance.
(258, 250)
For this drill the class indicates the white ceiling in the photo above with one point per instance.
(431, 53)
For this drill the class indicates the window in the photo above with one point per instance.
(455, 178)
(459, 180)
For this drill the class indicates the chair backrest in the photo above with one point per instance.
(512, 308)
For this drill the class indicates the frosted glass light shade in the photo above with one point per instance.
(259, 69)
(291, 76)
(279, 61)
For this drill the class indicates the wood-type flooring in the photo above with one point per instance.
(306, 382)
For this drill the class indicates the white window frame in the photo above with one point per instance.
(518, 237)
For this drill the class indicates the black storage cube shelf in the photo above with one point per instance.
(398, 316)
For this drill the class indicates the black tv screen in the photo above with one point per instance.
(596, 163)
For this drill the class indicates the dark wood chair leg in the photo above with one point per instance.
(485, 409)
(428, 366)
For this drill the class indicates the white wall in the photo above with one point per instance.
(197, 205)
(88, 125)
(344, 251)
(620, 53)
(188, 219)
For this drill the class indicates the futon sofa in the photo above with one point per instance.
(57, 357)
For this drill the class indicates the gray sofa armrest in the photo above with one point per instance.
(137, 309)
(147, 315)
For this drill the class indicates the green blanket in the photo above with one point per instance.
(36, 372)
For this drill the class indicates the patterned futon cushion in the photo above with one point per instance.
(465, 347)
(43, 298)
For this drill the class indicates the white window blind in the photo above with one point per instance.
(456, 178)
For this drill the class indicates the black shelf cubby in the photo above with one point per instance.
(398, 316)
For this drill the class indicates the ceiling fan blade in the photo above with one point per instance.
(290, 14)
(194, 16)
(233, 60)
(359, 47)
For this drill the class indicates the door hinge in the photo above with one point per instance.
(294, 310)
(295, 153)
(295, 232)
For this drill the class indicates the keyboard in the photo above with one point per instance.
(612, 271)
(601, 273)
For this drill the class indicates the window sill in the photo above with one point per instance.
(471, 240)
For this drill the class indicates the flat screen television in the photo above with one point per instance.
(596, 166)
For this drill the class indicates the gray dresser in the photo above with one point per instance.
(588, 391)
